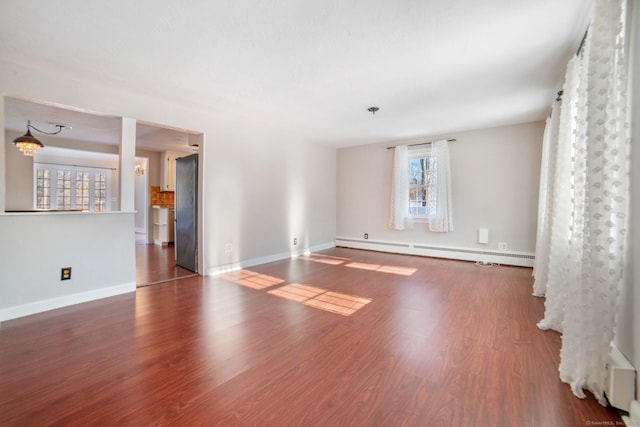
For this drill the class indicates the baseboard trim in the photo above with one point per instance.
(521, 259)
(64, 301)
(238, 265)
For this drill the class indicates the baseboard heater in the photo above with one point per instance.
(620, 387)
(466, 254)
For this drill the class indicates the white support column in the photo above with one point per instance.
(127, 164)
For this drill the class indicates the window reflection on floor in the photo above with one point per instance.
(325, 259)
(252, 279)
(323, 299)
(404, 271)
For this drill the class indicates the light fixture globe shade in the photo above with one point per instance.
(27, 143)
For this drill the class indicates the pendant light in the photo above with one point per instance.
(29, 144)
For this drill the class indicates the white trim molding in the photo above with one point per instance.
(64, 301)
(238, 265)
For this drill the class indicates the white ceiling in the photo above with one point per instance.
(86, 126)
(312, 68)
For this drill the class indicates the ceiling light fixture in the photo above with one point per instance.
(373, 110)
(29, 144)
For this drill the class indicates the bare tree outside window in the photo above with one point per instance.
(421, 203)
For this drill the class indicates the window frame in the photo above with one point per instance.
(420, 152)
(74, 173)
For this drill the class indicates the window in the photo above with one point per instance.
(71, 187)
(421, 201)
(43, 188)
(421, 187)
(63, 189)
(100, 192)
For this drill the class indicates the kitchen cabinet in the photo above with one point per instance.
(163, 225)
(168, 169)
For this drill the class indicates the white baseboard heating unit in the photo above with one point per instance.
(621, 381)
(634, 415)
(465, 254)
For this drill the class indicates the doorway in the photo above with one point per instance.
(156, 257)
(156, 264)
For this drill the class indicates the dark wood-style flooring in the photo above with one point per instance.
(339, 338)
(156, 264)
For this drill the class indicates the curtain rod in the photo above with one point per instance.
(578, 52)
(581, 45)
(422, 143)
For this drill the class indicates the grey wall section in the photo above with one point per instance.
(495, 179)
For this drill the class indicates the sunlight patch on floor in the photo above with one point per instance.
(251, 279)
(325, 259)
(323, 299)
(404, 271)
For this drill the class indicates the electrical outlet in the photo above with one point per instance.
(228, 248)
(366, 236)
(65, 273)
(295, 240)
(502, 246)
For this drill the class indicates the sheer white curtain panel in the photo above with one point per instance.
(399, 214)
(440, 184)
(545, 202)
(588, 208)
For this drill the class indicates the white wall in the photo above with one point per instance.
(36, 246)
(259, 226)
(628, 325)
(635, 190)
(495, 174)
(19, 175)
(152, 174)
(260, 188)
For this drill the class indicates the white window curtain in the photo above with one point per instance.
(440, 185)
(399, 214)
(545, 200)
(581, 268)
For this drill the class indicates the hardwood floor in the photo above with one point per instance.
(156, 264)
(439, 343)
